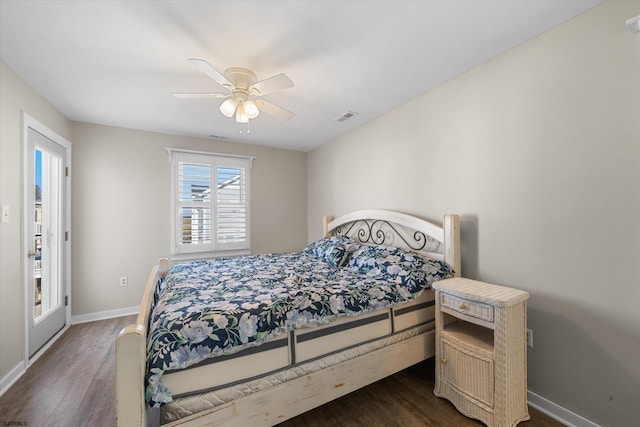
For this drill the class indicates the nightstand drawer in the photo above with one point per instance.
(468, 307)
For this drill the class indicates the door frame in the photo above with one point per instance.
(27, 123)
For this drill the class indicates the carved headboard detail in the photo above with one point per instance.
(381, 227)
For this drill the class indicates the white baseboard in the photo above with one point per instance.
(557, 412)
(13, 376)
(102, 315)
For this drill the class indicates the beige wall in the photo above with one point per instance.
(121, 207)
(16, 97)
(539, 151)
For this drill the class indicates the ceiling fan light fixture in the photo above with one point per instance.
(241, 115)
(240, 84)
(251, 109)
(228, 107)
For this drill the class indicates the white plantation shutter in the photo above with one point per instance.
(232, 206)
(194, 205)
(211, 199)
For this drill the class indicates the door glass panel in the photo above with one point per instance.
(47, 230)
(37, 263)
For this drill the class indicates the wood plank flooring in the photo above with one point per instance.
(73, 385)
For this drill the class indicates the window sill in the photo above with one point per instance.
(202, 255)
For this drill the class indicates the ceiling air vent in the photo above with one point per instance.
(346, 116)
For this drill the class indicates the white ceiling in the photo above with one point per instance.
(118, 62)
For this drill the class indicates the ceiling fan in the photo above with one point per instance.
(243, 92)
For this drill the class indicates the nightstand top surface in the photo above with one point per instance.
(481, 291)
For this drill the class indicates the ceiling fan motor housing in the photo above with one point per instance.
(241, 78)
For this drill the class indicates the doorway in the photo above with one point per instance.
(46, 230)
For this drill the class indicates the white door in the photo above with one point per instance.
(46, 233)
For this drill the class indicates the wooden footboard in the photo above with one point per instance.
(131, 355)
(281, 402)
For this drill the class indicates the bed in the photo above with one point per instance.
(371, 320)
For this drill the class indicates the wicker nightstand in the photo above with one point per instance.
(481, 354)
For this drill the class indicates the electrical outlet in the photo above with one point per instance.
(530, 338)
(124, 281)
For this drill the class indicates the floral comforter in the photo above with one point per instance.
(212, 307)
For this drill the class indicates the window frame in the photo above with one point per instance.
(215, 248)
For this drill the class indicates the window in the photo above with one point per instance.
(211, 209)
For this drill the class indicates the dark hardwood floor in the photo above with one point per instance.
(73, 385)
(403, 399)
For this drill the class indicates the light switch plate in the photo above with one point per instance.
(5, 214)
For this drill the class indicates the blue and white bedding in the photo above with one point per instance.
(212, 307)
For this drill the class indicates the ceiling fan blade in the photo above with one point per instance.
(208, 69)
(272, 84)
(274, 110)
(200, 95)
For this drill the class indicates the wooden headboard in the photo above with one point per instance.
(381, 227)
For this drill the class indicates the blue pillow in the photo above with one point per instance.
(333, 250)
(402, 267)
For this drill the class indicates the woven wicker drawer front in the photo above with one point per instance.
(468, 372)
(465, 306)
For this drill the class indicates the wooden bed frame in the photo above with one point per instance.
(284, 401)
